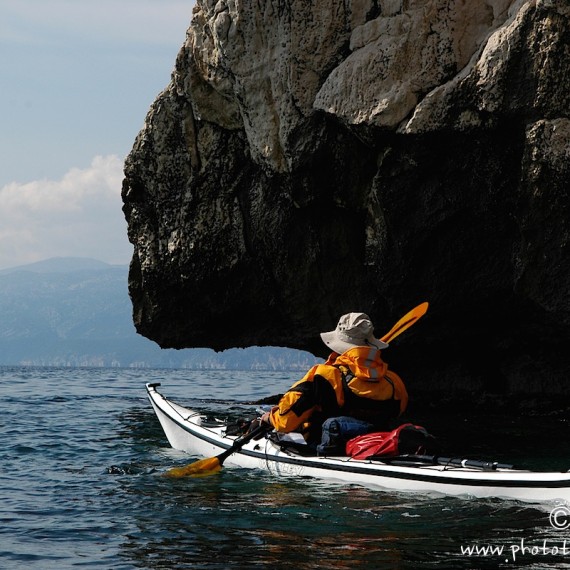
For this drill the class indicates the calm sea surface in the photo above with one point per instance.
(80, 469)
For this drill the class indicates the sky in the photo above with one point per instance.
(77, 79)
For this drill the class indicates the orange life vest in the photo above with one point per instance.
(356, 383)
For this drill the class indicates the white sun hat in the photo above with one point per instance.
(353, 329)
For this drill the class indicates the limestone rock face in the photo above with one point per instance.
(314, 158)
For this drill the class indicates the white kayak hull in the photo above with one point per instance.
(187, 431)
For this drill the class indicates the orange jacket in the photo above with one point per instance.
(321, 392)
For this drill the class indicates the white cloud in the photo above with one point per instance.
(77, 79)
(79, 215)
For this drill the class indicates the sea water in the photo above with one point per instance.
(82, 456)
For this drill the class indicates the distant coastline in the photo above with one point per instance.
(76, 312)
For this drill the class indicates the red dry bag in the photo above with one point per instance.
(405, 439)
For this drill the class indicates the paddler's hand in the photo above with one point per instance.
(266, 418)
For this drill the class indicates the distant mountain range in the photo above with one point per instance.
(77, 312)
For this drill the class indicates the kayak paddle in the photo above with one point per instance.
(211, 465)
(406, 322)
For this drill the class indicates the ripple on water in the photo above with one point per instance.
(81, 486)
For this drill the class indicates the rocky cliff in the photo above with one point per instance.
(313, 158)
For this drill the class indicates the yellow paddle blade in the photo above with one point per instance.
(201, 468)
(406, 322)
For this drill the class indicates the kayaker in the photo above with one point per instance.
(352, 393)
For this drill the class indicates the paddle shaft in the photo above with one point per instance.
(445, 461)
(240, 442)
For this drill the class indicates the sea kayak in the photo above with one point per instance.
(191, 431)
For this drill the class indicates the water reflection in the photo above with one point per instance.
(239, 519)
